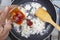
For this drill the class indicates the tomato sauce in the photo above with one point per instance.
(29, 23)
(17, 16)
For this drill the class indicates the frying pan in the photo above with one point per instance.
(50, 8)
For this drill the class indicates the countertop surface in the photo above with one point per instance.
(57, 3)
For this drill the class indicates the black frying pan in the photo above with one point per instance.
(51, 11)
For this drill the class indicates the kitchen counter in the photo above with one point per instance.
(57, 3)
(57, 7)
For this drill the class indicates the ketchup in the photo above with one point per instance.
(18, 16)
(29, 23)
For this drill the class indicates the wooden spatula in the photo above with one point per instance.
(44, 16)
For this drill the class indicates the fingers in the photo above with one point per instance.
(1, 29)
(4, 37)
(3, 15)
(6, 11)
(0, 12)
(7, 28)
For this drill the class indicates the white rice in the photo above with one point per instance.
(38, 25)
(27, 7)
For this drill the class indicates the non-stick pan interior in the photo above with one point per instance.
(50, 8)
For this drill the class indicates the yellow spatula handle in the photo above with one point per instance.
(55, 25)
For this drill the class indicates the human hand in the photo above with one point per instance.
(5, 25)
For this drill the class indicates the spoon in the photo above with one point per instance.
(44, 16)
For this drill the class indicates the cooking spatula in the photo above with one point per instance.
(44, 16)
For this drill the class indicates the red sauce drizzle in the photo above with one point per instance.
(29, 23)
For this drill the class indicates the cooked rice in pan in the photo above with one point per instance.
(37, 27)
